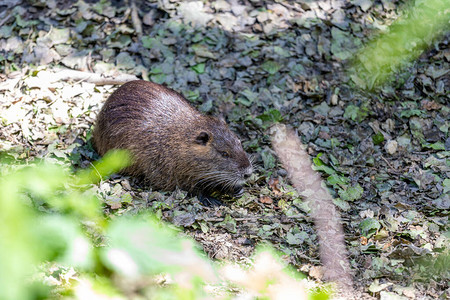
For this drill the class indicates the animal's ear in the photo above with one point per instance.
(202, 138)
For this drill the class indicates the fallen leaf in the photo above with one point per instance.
(363, 240)
(273, 183)
(430, 105)
(266, 200)
(316, 272)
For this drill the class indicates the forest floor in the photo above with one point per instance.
(256, 63)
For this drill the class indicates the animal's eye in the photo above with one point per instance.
(225, 154)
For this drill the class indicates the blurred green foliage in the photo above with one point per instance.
(112, 162)
(29, 236)
(51, 216)
(405, 40)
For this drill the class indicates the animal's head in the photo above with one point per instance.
(223, 164)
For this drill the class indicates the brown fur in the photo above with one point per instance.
(172, 144)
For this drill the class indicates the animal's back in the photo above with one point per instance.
(136, 108)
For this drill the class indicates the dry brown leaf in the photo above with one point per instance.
(273, 183)
(266, 200)
(316, 272)
(363, 240)
(430, 105)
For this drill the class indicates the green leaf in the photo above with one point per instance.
(302, 205)
(434, 146)
(342, 44)
(413, 31)
(125, 61)
(317, 161)
(337, 179)
(355, 113)
(251, 96)
(446, 185)
(352, 193)
(412, 112)
(244, 101)
(202, 51)
(63, 241)
(334, 178)
(204, 226)
(369, 226)
(271, 67)
(127, 198)
(156, 71)
(268, 159)
(296, 239)
(351, 112)
(59, 36)
(158, 78)
(148, 42)
(283, 52)
(229, 224)
(24, 23)
(358, 81)
(343, 205)
(112, 162)
(121, 42)
(326, 169)
(192, 95)
(334, 160)
(206, 106)
(378, 138)
(5, 31)
(270, 117)
(199, 68)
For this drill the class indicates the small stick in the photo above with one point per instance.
(5, 20)
(137, 24)
(97, 79)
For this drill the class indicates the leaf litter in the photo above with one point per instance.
(384, 154)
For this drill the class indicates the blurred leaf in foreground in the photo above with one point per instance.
(15, 237)
(268, 278)
(30, 237)
(141, 245)
(42, 212)
(112, 162)
(405, 40)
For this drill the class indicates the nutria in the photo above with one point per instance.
(171, 143)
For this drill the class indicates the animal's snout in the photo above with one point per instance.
(247, 173)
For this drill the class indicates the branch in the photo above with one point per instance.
(309, 184)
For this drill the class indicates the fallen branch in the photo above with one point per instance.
(97, 79)
(326, 218)
(47, 77)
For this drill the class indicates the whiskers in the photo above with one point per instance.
(219, 180)
(255, 165)
(225, 181)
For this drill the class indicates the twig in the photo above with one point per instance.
(97, 79)
(386, 161)
(137, 24)
(48, 77)
(5, 20)
(261, 218)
